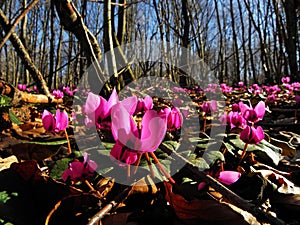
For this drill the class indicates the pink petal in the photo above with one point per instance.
(201, 185)
(130, 104)
(113, 99)
(213, 105)
(66, 174)
(259, 134)
(123, 122)
(245, 134)
(229, 177)
(92, 103)
(62, 120)
(148, 102)
(118, 152)
(260, 109)
(178, 119)
(92, 166)
(77, 169)
(243, 107)
(154, 127)
(48, 121)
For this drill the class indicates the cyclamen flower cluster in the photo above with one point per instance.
(80, 170)
(132, 137)
(245, 117)
(55, 123)
(23, 87)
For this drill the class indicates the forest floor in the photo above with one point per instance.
(33, 193)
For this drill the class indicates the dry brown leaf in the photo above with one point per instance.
(208, 210)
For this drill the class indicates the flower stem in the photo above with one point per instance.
(150, 165)
(91, 187)
(137, 162)
(244, 152)
(162, 169)
(69, 145)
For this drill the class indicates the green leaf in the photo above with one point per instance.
(14, 118)
(4, 197)
(58, 142)
(4, 100)
(59, 168)
(266, 151)
(198, 162)
(212, 156)
(173, 144)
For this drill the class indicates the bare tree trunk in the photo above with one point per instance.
(235, 44)
(57, 63)
(221, 51)
(52, 39)
(23, 54)
(291, 37)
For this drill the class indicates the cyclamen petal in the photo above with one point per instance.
(260, 109)
(48, 121)
(92, 103)
(130, 104)
(154, 127)
(229, 177)
(61, 120)
(123, 121)
(252, 135)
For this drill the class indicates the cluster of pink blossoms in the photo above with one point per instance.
(132, 137)
(245, 117)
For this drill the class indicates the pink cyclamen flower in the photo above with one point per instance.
(225, 177)
(241, 84)
(209, 107)
(80, 170)
(236, 120)
(98, 108)
(144, 104)
(229, 177)
(174, 117)
(22, 87)
(55, 123)
(252, 135)
(57, 94)
(253, 115)
(285, 80)
(130, 139)
(235, 107)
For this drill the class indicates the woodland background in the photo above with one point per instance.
(250, 41)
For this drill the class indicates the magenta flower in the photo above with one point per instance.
(98, 108)
(80, 170)
(57, 94)
(253, 115)
(252, 135)
(144, 104)
(235, 107)
(285, 80)
(22, 87)
(225, 177)
(297, 99)
(236, 120)
(174, 117)
(229, 177)
(131, 139)
(241, 84)
(209, 107)
(55, 123)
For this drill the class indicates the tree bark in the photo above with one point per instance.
(25, 57)
(18, 96)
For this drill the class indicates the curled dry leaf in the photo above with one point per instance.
(207, 210)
